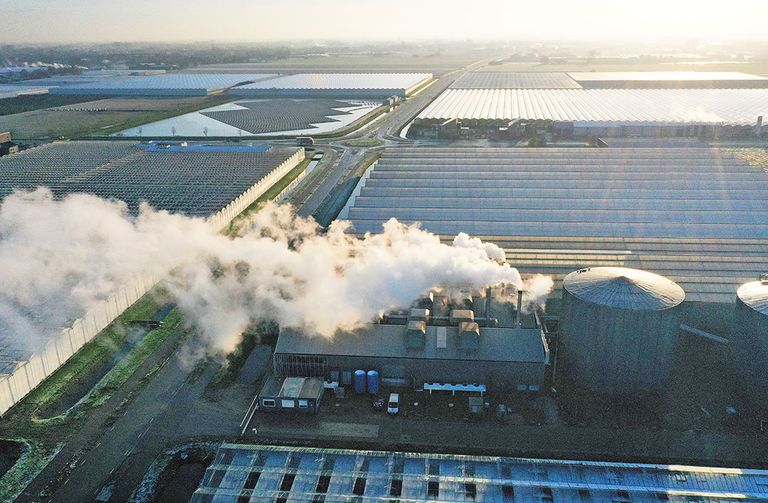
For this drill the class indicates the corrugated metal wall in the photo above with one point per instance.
(749, 347)
(617, 351)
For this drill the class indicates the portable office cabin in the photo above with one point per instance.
(300, 394)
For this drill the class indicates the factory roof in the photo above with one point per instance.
(515, 80)
(755, 295)
(624, 288)
(648, 106)
(341, 81)
(270, 473)
(695, 215)
(389, 341)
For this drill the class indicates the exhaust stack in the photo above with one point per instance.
(519, 308)
(488, 306)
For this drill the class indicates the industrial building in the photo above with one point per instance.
(487, 345)
(619, 329)
(749, 339)
(188, 179)
(696, 215)
(343, 85)
(170, 84)
(668, 80)
(243, 472)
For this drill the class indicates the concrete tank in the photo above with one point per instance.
(749, 338)
(619, 329)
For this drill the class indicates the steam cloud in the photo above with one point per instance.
(60, 257)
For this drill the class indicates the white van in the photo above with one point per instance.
(393, 406)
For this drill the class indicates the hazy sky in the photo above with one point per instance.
(233, 20)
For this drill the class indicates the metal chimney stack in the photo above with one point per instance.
(519, 308)
(488, 306)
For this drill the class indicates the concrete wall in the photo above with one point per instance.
(29, 374)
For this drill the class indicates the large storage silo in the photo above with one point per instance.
(619, 328)
(749, 337)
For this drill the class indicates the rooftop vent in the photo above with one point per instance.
(459, 315)
(764, 278)
(415, 334)
(418, 315)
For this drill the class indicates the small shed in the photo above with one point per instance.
(300, 394)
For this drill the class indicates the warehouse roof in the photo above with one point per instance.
(755, 295)
(624, 288)
(341, 81)
(696, 215)
(692, 106)
(260, 472)
(388, 341)
(515, 80)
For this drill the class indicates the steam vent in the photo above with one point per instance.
(619, 329)
(749, 338)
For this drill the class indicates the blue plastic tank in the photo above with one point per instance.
(359, 381)
(373, 382)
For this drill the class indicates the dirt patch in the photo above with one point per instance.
(182, 476)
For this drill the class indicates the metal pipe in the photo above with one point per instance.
(519, 308)
(488, 306)
(702, 333)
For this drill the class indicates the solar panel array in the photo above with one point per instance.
(279, 114)
(515, 80)
(355, 84)
(196, 183)
(697, 215)
(171, 84)
(258, 473)
(695, 106)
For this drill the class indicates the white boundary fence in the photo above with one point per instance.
(30, 373)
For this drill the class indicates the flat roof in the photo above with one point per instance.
(291, 387)
(627, 106)
(389, 341)
(352, 475)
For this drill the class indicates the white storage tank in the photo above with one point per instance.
(619, 329)
(749, 337)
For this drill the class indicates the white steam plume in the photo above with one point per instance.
(58, 258)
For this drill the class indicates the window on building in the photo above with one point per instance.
(268, 402)
(303, 404)
(396, 487)
(253, 478)
(322, 484)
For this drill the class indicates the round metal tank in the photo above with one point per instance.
(373, 382)
(359, 381)
(619, 329)
(749, 337)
